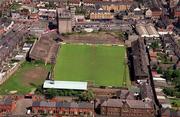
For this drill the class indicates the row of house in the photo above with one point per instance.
(9, 44)
(127, 108)
(124, 103)
(7, 105)
(63, 108)
(5, 25)
(176, 10)
(106, 12)
(128, 104)
(84, 2)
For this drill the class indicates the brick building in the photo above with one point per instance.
(127, 108)
(177, 11)
(7, 105)
(93, 2)
(63, 108)
(114, 6)
(156, 12)
(101, 15)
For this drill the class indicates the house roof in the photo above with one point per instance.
(85, 105)
(138, 104)
(131, 103)
(6, 101)
(35, 103)
(125, 94)
(5, 21)
(113, 103)
(47, 104)
(165, 112)
(62, 104)
(155, 9)
(146, 91)
(114, 3)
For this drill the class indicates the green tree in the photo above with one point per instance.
(169, 91)
(30, 39)
(174, 104)
(50, 93)
(159, 70)
(154, 45)
(15, 6)
(175, 74)
(167, 75)
(39, 90)
(87, 96)
(177, 94)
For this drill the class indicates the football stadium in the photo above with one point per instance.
(100, 65)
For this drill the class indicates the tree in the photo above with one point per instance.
(30, 39)
(174, 104)
(154, 45)
(87, 96)
(177, 94)
(167, 75)
(175, 74)
(159, 70)
(15, 6)
(39, 89)
(50, 93)
(169, 91)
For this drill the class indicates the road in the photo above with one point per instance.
(21, 106)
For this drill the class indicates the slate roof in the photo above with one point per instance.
(125, 94)
(138, 104)
(35, 103)
(146, 91)
(5, 22)
(6, 101)
(47, 104)
(113, 103)
(118, 103)
(62, 104)
(85, 105)
(115, 3)
(155, 9)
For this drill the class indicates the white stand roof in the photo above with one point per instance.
(75, 85)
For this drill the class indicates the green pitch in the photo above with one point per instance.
(102, 65)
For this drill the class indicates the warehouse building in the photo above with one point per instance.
(147, 30)
(141, 29)
(152, 31)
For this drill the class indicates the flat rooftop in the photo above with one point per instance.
(65, 85)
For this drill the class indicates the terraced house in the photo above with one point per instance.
(127, 108)
(114, 6)
(7, 105)
(101, 15)
(63, 108)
